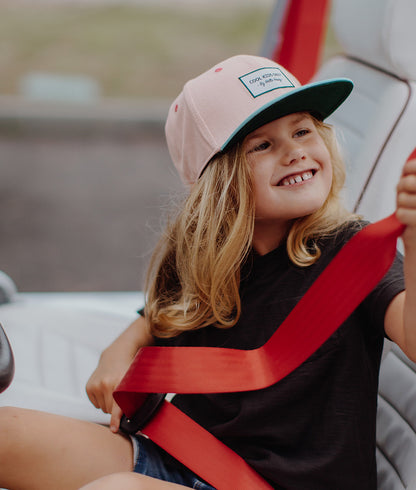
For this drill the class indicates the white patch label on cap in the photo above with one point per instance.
(265, 80)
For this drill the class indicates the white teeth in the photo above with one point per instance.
(296, 179)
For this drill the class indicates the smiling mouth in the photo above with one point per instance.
(297, 178)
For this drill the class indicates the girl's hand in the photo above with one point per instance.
(103, 382)
(406, 202)
(400, 320)
(113, 364)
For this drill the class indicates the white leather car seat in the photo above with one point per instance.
(57, 339)
(396, 423)
(377, 123)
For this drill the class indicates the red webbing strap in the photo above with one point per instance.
(344, 283)
(200, 451)
(302, 23)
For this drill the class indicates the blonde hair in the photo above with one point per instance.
(194, 275)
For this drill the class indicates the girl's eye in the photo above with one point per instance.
(261, 147)
(302, 132)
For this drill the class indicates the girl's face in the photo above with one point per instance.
(291, 171)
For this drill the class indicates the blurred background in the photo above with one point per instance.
(85, 177)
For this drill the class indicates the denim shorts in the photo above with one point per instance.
(151, 460)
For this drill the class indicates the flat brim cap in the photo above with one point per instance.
(223, 105)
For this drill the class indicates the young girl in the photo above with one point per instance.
(262, 219)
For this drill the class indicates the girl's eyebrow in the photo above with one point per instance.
(258, 133)
(254, 135)
(301, 117)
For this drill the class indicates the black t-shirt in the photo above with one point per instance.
(315, 429)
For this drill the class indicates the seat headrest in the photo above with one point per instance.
(379, 32)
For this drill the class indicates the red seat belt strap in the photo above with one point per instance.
(344, 283)
(201, 452)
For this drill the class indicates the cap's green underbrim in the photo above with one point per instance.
(320, 99)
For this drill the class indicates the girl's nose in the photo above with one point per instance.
(294, 154)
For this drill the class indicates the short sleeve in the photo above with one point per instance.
(379, 299)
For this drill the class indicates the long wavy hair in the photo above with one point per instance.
(194, 275)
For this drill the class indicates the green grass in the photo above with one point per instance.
(130, 51)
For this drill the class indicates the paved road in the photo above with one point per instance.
(82, 212)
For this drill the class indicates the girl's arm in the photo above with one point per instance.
(113, 364)
(400, 320)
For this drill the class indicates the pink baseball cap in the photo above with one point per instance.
(223, 105)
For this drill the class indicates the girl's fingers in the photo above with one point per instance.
(406, 194)
(116, 414)
(93, 400)
(92, 395)
(406, 200)
(409, 167)
(109, 402)
(407, 183)
(99, 399)
(102, 402)
(406, 216)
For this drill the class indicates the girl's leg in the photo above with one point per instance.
(131, 481)
(45, 451)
